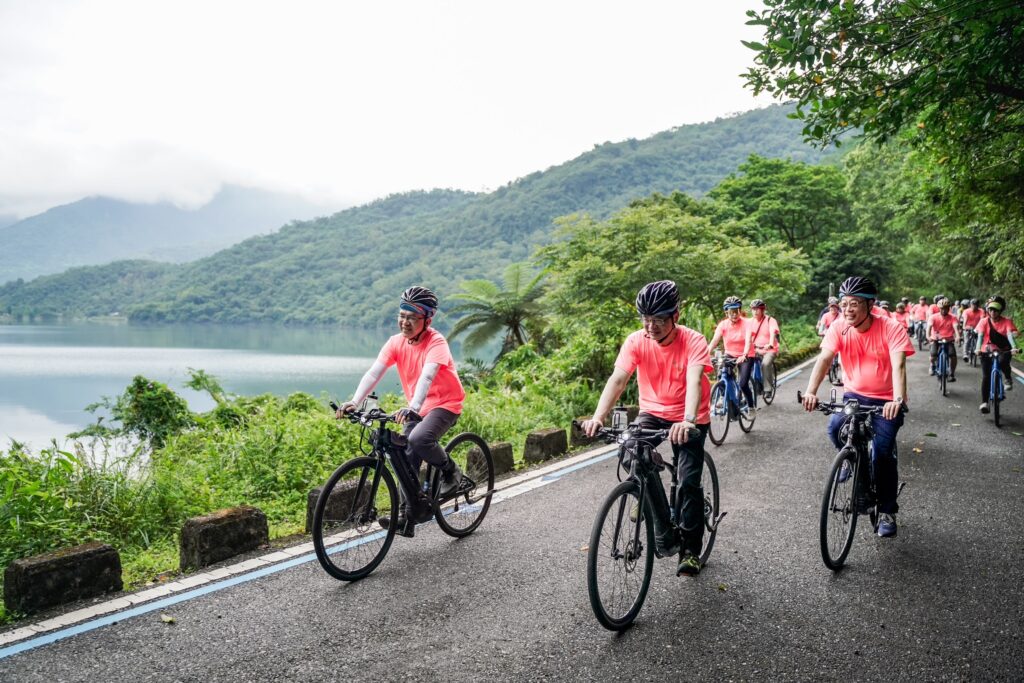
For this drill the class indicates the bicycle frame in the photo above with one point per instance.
(996, 392)
(942, 360)
(730, 386)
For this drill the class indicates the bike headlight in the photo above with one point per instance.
(851, 407)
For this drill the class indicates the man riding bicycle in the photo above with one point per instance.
(432, 389)
(765, 333)
(970, 319)
(670, 361)
(830, 315)
(996, 333)
(942, 327)
(735, 334)
(874, 352)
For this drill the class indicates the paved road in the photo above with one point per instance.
(943, 600)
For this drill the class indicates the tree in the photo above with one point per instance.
(490, 310)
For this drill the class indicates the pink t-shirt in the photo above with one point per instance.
(933, 309)
(880, 312)
(919, 311)
(903, 318)
(972, 317)
(764, 332)
(661, 372)
(446, 389)
(943, 326)
(1004, 327)
(829, 318)
(867, 367)
(734, 335)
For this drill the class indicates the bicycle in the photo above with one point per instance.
(348, 541)
(728, 402)
(942, 365)
(757, 377)
(850, 487)
(921, 334)
(835, 372)
(996, 390)
(619, 557)
(970, 347)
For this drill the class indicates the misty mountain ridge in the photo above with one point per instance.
(98, 230)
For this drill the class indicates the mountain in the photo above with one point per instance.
(350, 267)
(99, 230)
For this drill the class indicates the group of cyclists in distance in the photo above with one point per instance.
(979, 329)
(672, 363)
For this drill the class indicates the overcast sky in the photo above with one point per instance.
(342, 101)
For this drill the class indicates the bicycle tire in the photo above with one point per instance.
(769, 396)
(746, 420)
(942, 381)
(834, 375)
(462, 515)
(346, 515)
(712, 505)
(838, 519)
(719, 427)
(995, 408)
(614, 558)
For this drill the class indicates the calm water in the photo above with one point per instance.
(49, 373)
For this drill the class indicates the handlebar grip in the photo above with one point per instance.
(333, 405)
(799, 396)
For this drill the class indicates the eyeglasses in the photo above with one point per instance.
(654, 320)
(402, 317)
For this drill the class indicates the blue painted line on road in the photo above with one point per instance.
(61, 634)
(789, 377)
(1020, 379)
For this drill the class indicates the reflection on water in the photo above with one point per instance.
(49, 373)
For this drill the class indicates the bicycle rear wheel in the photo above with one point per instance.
(995, 409)
(460, 516)
(348, 541)
(835, 375)
(838, 510)
(620, 558)
(709, 483)
(719, 415)
(769, 394)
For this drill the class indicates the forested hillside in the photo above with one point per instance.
(99, 230)
(348, 267)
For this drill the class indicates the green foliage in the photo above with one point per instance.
(489, 310)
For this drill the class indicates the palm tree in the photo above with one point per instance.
(491, 310)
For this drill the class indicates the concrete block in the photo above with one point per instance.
(544, 444)
(339, 503)
(61, 576)
(211, 538)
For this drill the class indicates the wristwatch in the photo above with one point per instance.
(692, 419)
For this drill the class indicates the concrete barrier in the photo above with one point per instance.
(61, 576)
(211, 538)
(339, 503)
(501, 454)
(544, 444)
(577, 438)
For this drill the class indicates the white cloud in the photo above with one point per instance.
(342, 101)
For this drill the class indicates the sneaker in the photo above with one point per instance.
(932, 372)
(405, 527)
(450, 480)
(667, 544)
(952, 378)
(966, 358)
(689, 564)
(886, 525)
(844, 472)
(983, 408)
(1008, 385)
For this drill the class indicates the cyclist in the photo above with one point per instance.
(919, 312)
(996, 333)
(432, 390)
(970, 319)
(902, 316)
(670, 361)
(934, 307)
(735, 334)
(942, 327)
(764, 337)
(883, 309)
(874, 352)
(830, 316)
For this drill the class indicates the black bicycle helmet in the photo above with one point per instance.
(973, 302)
(419, 300)
(905, 300)
(659, 298)
(858, 286)
(732, 302)
(758, 303)
(937, 297)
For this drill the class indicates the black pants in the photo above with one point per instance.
(424, 438)
(986, 373)
(950, 353)
(746, 368)
(690, 495)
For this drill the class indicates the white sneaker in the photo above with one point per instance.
(983, 408)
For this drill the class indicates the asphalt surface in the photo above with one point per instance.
(941, 601)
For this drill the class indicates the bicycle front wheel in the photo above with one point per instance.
(620, 558)
(839, 510)
(348, 541)
(719, 415)
(746, 419)
(709, 483)
(461, 515)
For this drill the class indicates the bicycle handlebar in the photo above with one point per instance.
(366, 417)
(849, 407)
(633, 431)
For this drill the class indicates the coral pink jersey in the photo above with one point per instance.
(734, 335)
(867, 366)
(943, 326)
(661, 372)
(919, 311)
(903, 318)
(1004, 327)
(446, 389)
(972, 317)
(829, 318)
(764, 332)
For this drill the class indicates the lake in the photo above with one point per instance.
(49, 373)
